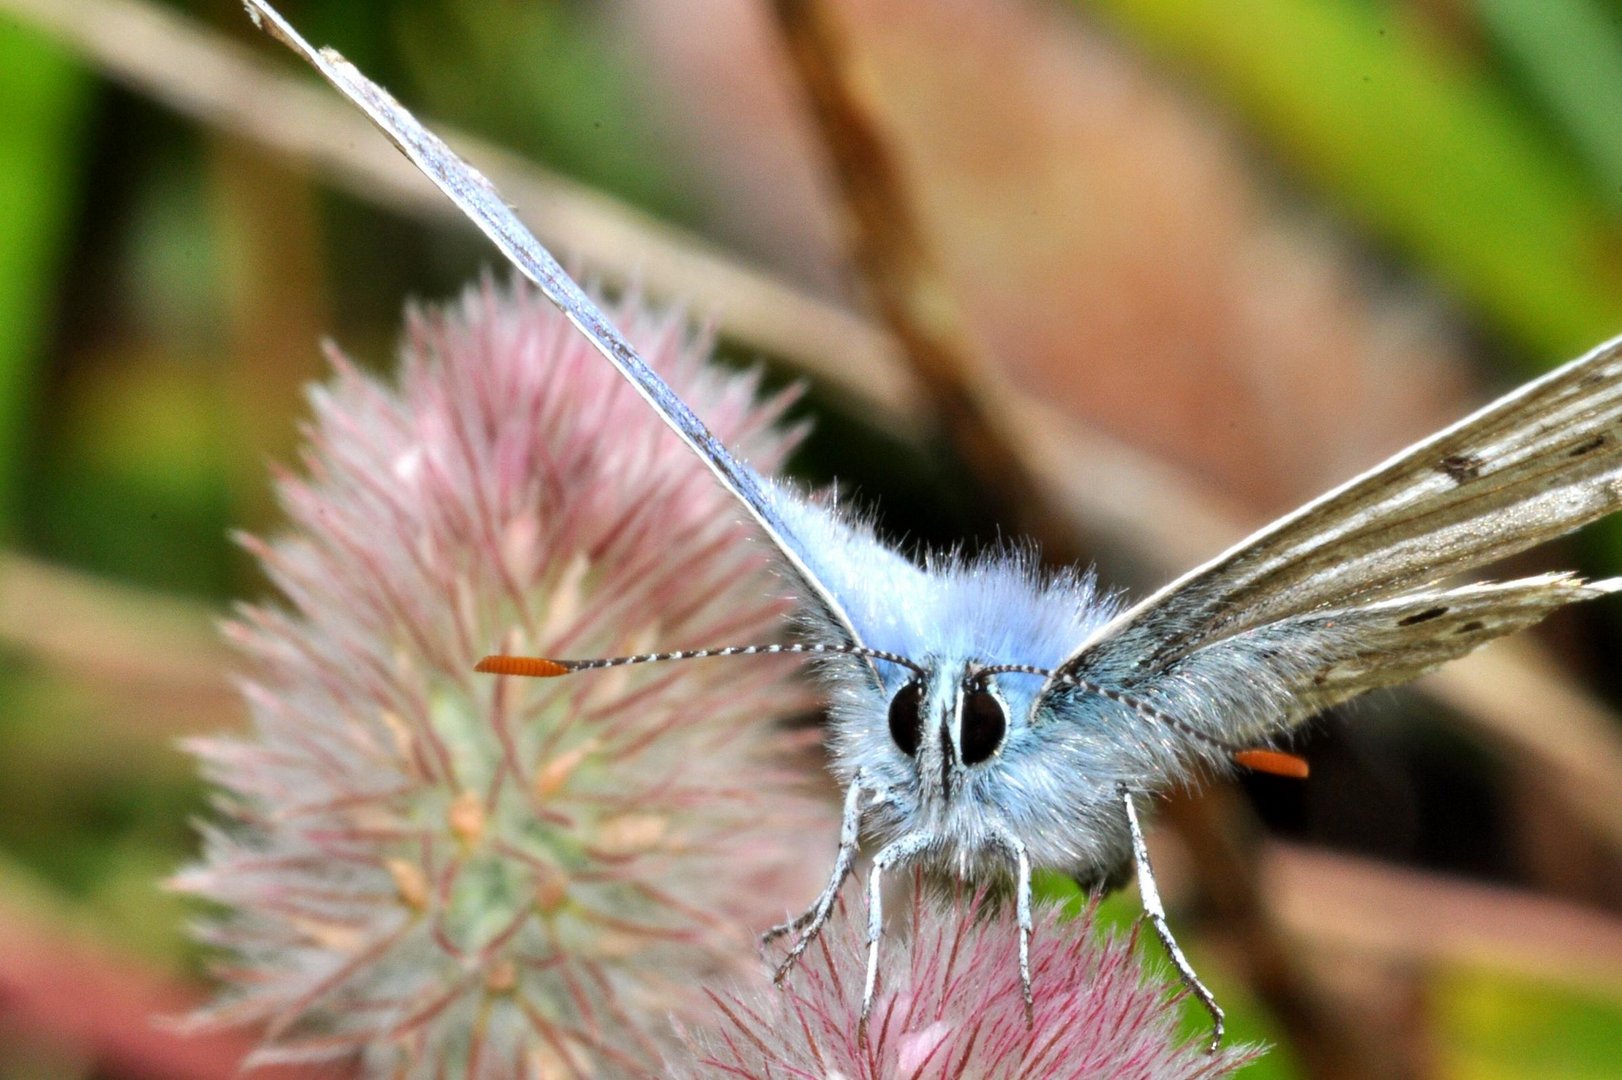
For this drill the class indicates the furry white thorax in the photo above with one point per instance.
(1052, 785)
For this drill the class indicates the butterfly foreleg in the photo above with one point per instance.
(1015, 848)
(1156, 912)
(897, 851)
(811, 921)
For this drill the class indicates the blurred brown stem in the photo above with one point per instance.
(271, 250)
(156, 652)
(902, 276)
(1336, 904)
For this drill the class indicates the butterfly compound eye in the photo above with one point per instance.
(907, 718)
(984, 725)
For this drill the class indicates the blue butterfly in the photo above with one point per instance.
(988, 718)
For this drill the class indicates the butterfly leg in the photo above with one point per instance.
(810, 922)
(1156, 912)
(1015, 847)
(896, 851)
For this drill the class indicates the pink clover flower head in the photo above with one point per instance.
(949, 1007)
(447, 873)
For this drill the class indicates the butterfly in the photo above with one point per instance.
(987, 718)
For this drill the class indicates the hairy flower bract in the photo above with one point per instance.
(949, 1008)
(448, 873)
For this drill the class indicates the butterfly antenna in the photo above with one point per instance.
(543, 668)
(1276, 762)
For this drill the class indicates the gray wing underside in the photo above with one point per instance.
(773, 508)
(1393, 641)
(1531, 466)
(1244, 688)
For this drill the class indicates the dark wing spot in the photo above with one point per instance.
(1471, 627)
(1422, 616)
(1461, 467)
(1587, 446)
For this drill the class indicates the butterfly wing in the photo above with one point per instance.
(785, 518)
(1393, 641)
(1336, 598)
(1242, 689)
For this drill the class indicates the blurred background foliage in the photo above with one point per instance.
(1260, 241)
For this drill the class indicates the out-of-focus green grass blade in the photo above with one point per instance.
(1492, 1027)
(1571, 54)
(1417, 145)
(44, 94)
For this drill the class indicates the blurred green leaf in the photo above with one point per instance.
(567, 94)
(1571, 54)
(76, 807)
(45, 95)
(1416, 143)
(135, 486)
(130, 905)
(1490, 1026)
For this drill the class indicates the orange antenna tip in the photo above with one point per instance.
(533, 666)
(1274, 762)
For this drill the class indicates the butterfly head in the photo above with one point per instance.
(945, 730)
(946, 720)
